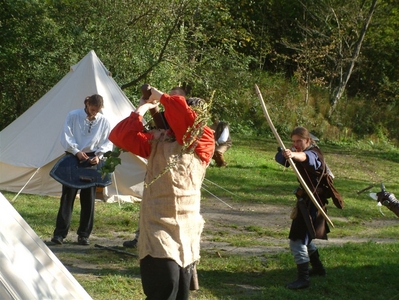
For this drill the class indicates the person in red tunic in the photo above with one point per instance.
(160, 123)
(170, 219)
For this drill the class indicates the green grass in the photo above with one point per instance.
(355, 271)
(367, 270)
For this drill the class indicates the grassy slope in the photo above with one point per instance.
(355, 271)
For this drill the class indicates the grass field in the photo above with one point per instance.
(365, 265)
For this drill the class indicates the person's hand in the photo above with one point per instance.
(145, 105)
(81, 155)
(155, 95)
(142, 101)
(151, 105)
(287, 153)
(94, 161)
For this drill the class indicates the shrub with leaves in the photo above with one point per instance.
(112, 160)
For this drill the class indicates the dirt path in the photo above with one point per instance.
(219, 218)
(218, 215)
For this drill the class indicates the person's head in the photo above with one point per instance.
(301, 138)
(177, 90)
(194, 101)
(93, 104)
(215, 119)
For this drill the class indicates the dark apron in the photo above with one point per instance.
(77, 174)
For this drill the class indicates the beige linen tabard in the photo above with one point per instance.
(170, 220)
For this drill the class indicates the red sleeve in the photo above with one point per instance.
(206, 145)
(129, 135)
(180, 116)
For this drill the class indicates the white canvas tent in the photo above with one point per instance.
(29, 270)
(30, 146)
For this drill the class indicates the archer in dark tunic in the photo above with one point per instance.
(307, 222)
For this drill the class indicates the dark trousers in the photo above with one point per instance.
(87, 199)
(164, 279)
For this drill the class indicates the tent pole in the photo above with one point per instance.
(13, 199)
(116, 188)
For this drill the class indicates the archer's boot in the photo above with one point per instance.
(303, 281)
(219, 159)
(317, 267)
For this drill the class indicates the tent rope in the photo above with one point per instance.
(221, 187)
(216, 197)
(13, 199)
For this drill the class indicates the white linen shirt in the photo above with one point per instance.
(80, 134)
(224, 136)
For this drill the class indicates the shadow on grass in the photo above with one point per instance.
(340, 283)
(370, 272)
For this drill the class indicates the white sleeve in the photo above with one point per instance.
(68, 140)
(224, 136)
(105, 144)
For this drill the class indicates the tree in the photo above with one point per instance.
(331, 36)
(163, 42)
(343, 80)
(29, 59)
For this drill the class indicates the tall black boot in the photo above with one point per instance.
(303, 281)
(317, 266)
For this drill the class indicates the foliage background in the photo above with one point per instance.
(296, 51)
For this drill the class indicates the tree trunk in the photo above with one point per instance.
(342, 85)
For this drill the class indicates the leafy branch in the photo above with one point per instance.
(112, 161)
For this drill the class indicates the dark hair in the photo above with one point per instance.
(193, 101)
(95, 100)
(178, 91)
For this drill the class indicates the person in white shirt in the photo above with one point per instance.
(223, 141)
(85, 135)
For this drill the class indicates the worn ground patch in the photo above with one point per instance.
(219, 217)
